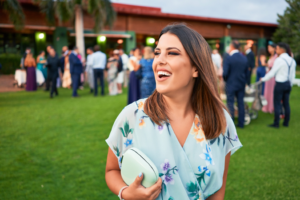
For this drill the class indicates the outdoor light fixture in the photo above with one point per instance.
(120, 41)
(102, 38)
(41, 36)
(151, 40)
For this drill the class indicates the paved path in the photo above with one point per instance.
(6, 84)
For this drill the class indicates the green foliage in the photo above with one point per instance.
(64, 10)
(10, 62)
(15, 12)
(289, 26)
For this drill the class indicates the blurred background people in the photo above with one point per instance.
(125, 67)
(235, 69)
(261, 69)
(27, 51)
(134, 82)
(30, 65)
(284, 70)
(75, 70)
(47, 85)
(66, 79)
(148, 84)
(99, 63)
(89, 68)
(112, 74)
(53, 65)
(270, 84)
(120, 78)
(251, 62)
(217, 61)
(41, 63)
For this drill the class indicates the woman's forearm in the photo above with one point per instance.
(114, 181)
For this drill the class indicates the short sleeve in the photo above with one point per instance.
(232, 141)
(121, 136)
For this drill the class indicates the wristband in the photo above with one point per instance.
(120, 193)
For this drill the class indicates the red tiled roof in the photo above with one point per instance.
(156, 12)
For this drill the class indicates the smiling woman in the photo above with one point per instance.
(183, 127)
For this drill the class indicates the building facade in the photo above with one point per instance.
(135, 26)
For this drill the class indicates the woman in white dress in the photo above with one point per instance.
(112, 74)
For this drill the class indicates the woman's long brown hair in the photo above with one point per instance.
(205, 99)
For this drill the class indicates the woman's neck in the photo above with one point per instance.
(179, 105)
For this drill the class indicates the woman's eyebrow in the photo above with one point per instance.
(169, 48)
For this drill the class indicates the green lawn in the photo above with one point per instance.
(55, 149)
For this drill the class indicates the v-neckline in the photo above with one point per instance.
(186, 139)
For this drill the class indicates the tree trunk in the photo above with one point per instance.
(79, 30)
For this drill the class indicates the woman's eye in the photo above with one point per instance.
(173, 53)
(156, 53)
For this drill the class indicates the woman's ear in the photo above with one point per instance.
(195, 72)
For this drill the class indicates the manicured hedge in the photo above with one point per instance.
(9, 62)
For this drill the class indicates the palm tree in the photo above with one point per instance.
(15, 12)
(101, 10)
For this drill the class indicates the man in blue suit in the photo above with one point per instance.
(75, 69)
(235, 68)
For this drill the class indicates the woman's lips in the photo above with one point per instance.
(163, 75)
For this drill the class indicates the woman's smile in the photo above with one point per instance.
(163, 74)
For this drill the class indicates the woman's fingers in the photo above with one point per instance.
(155, 194)
(138, 180)
(155, 187)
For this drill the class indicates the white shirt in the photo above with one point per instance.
(130, 66)
(125, 60)
(99, 60)
(216, 58)
(280, 69)
(248, 51)
(89, 63)
(233, 52)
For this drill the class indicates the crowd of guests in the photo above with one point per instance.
(275, 76)
(135, 71)
(71, 70)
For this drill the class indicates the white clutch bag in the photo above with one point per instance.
(133, 163)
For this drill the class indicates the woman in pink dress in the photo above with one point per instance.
(269, 85)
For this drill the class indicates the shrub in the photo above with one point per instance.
(10, 62)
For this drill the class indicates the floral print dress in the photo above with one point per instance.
(194, 171)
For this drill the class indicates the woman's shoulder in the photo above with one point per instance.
(130, 110)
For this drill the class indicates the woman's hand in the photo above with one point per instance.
(138, 192)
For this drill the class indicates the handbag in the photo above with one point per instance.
(134, 162)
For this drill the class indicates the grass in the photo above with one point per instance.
(55, 149)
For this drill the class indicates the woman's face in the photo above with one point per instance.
(43, 53)
(172, 66)
(136, 53)
(271, 49)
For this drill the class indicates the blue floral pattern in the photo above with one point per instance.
(193, 171)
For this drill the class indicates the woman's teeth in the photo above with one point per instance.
(163, 73)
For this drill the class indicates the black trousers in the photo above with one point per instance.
(48, 80)
(98, 74)
(53, 79)
(282, 93)
(239, 94)
(249, 73)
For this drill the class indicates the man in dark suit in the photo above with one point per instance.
(48, 79)
(235, 70)
(75, 69)
(52, 66)
(251, 62)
